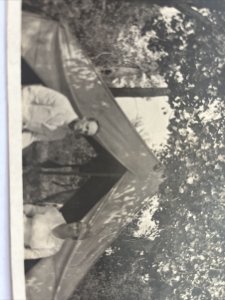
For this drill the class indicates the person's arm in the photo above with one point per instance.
(39, 253)
(30, 210)
(48, 97)
(49, 132)
(41, 95)
(43, 133)
(55, 127)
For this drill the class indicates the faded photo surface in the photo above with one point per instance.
(122, 156)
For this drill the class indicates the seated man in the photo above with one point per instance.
(48, 115)
(45, 230)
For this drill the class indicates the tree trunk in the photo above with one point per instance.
(190, 12)
(140, 92)
(210, 4)
(185, 7)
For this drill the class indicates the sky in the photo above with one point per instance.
(154, 113)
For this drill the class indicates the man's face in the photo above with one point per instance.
(86, 127)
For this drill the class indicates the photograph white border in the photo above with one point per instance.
(15, 142)
(5, 276)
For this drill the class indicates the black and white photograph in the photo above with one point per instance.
(122, 149)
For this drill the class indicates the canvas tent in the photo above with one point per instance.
(57, 58)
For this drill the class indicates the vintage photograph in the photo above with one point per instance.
(123, 149)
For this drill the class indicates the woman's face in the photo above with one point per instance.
(65, 231)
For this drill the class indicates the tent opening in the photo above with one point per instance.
(99, 169)
(104, 170)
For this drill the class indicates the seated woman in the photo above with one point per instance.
(47, 115)
(45, 230)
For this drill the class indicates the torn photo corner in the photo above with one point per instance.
(116, 144)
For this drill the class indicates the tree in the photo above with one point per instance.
(192, 206)
(140, 92)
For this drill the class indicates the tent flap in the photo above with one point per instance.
(56, 277)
